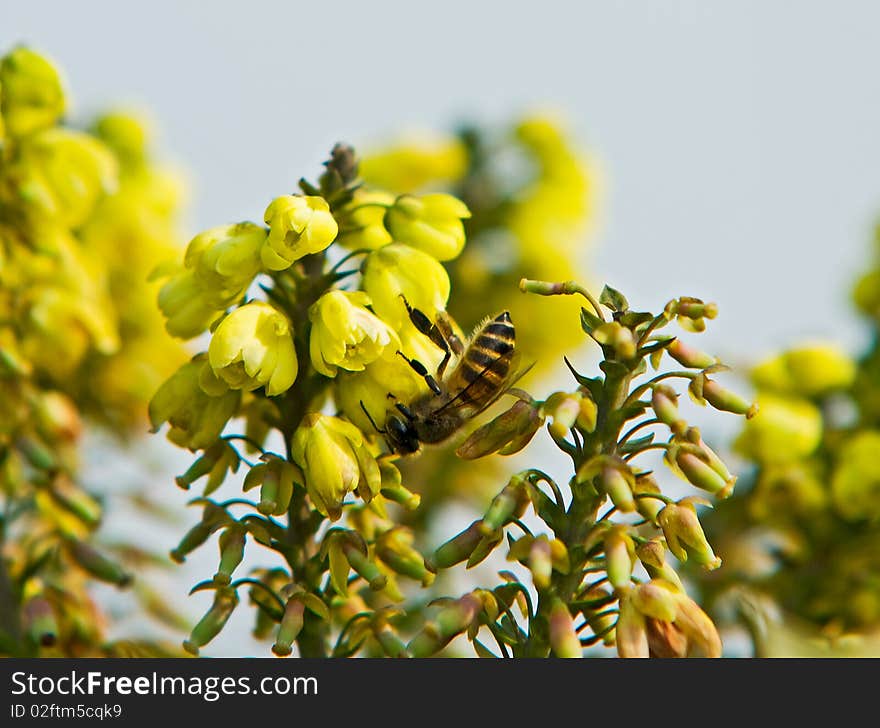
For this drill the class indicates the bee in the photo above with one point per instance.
(484, 371)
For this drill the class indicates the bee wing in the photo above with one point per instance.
(515, 373)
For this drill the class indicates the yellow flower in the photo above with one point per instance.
(345, 334)
(126, 134)
(196, 418)
(253, 347)
(335, 461)
(372, 387)
(225, 260)
(432, 223)
(183, 304)
(412, 165)
(362, 223)
(298, 226)
(808, 371)
(684, 534)
(32, 92)
(855, 485)
(785, 429)
(62, 174)
(400, 269)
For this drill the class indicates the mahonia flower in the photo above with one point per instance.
(807, 371)
(253, 347)
(32, 92)
(362, 225)
(658, 619)
(62, 174)
(225, 260)
(345, 334)
(855, 485)
(182, 302)
(335, 461)
(785, 429)
(432, 223)
(298, 225)
(196, 418)
(400, 270)
(411, 165)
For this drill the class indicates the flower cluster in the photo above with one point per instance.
(294, 324)
(84, 216)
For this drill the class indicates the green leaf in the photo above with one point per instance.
(482, 650)
(633, 445)
(613, 299)
(315, 604)
(634, 319)
(589, 321)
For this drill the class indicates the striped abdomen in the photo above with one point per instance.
(485, 363)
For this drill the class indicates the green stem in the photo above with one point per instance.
(580, 517)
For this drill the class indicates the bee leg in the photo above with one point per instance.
(405, 411)
(372, 421)
(433, 332)
(419, 369)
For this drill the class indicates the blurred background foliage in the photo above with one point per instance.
(800, 537)
(85, 214)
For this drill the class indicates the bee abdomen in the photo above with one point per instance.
(488, 355)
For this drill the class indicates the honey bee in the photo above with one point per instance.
(483, 372)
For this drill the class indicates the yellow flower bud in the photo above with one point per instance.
(684, 534)
(345, 334)
(432, 223)
(785, 429)
(400, 269)
(808, 371)
(855, 485)
(31, 92)
(412, 165)
(298, 225)
(361, 222)
(196, 418)
(225, 260)
(335, 461)
(126, 134)
(253, 347)
(62, 174)
(182, 301)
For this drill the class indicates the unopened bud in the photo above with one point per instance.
(691, 308)
(563, 637)
(394, 547)
(631, 634)
(726, 401)
(664, 402)
(458, 548)
(540, 562)
(684, 534)
(213, 517)
(203, 465)
(589, 412)
(363, 567)
(210, 625)
(563, 409)
(98, 565)
(291, 626)
(619, 555)
(616, 485)
(690, 357)
(392, 487)
(655, 599)
(620, 339)
(76, 501)
(652, 554)
(232, 543)
(508, 505)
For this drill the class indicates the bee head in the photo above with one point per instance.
(401, 435)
